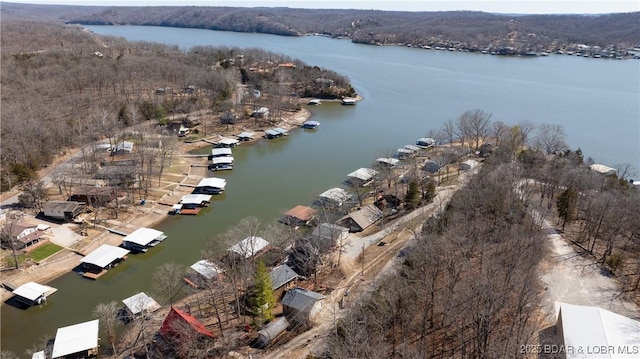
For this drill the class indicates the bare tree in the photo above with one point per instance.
(108, 315)
(551, 138)
(168, 281)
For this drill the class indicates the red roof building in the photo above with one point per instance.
(176, 319)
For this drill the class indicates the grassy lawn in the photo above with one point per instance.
(40, 253)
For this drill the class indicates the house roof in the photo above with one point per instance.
(213, 182)
(363, 174)
(365, 216)
(300, 212)
(33, 291)
(141, 302)
(96, 191)
(585, 326)
(301, 299)
(124, 146)
(602, 169)
(281, 275)
(195, 198)
(335, 194)
(17, 228)
(221, 151)
(76, 338)
(168, 328)
(143, 236)
(104, 255)
(222, 160)
(250, 246)
(206, 268)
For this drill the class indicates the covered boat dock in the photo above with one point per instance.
(99, 261)
(142, 239)
(32, 293)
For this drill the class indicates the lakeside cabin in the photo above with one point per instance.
(362, 219)
(32, 293)
(250, 247)
(140, 304)
(96, 263)
(299, 216)
(310, 125)
(25, 236)
(361, 177)
(77, 341)
(246, 136)
(281, 276)
(142, 239)
(211, 185)
(333, 197)
(221, 163)
(301, 305)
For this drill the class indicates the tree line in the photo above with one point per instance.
(64, 88)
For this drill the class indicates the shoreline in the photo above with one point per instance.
(149, 215)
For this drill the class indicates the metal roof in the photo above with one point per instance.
(281, 275)
(301, 212)
(272, 132)
(104, 255)
(214, 182)
(76, 338)
(206, 268)
(247, 134)
(195, 198)
(144, 236)
(365, 216)
(141, 302)
(38, 355)
(335, 194)
(221, 151)
(280, 130)
(32, 290)
(388, 161)
(363, 174)
(301, 299)
(330, 230)
(222, 160)
(228, 141)
(250, 246)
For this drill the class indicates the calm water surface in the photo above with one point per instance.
(407, 92)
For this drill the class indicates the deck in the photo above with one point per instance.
(189, 211)
(94, 276)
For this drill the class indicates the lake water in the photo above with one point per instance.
(406, 93)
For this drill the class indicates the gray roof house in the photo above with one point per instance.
(300, 305)
(361, 219)
(63, 210)
(281, 276)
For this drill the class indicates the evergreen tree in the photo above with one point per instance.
(412, 198)
(262, 300)
(567, 205)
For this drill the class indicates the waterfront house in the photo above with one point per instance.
(179, 326)
(300, 305)
(361, 177)
(211, 185)
(77, 341)
(142, 239)
(281, 276)
(361, 219)
(32, 293)
(96, 263)
(63, 210)
(140, 304)
(250, 247)
(298, 216)
(95, 196)
(24, 236)
(246, 136)
(221, 163)
(326, 235)
(333, 197)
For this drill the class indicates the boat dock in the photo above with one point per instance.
(94, 276)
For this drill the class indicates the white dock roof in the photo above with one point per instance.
(206, 268)
(222, 160)
(247, 134)
(388, 161)
(32, 290)
(213, 182)
(76, 338)
(141, 302)
(143, 236)
(195, 198)
(336, 194)
(602, 169)
(104, 255)
(250, 246)
(363, 174)
(223, 151)
(228, 141)
(38, 355)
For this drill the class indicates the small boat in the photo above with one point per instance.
(310, 125)
(349, 101)
(314, 102)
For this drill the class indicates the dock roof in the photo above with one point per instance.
(206, 268)
(250, 246)
(104, 255)
(388, 161)
(222, 160)
(75, 338)
(141, 302)
(338, 195)
(281, 275)
(195, 198)
(143, 236)
(280, 130)
(214, 182)
(272, 133)
(221, 151)
(246, 134)
(300, 212)
(33, 291)
(363, 174)
(227, 141)
(606, 170)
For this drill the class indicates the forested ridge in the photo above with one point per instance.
(64, 87)
(467, 30)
